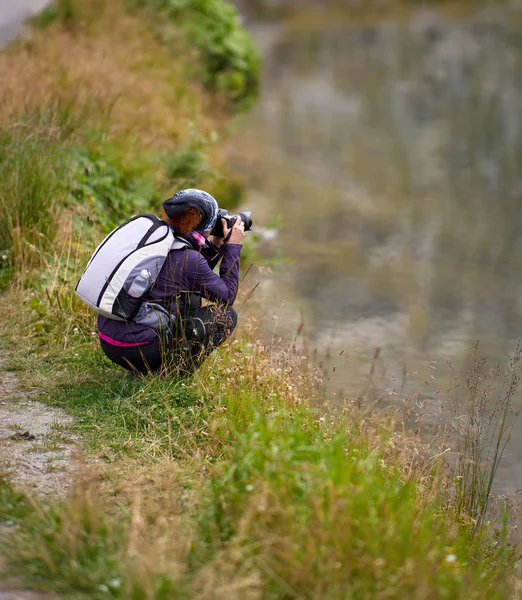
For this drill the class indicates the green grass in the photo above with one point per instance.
(71, 540)
(329, 518)
(33, 175)
(228, 481)
(123, 415)
(43, 170)
(232, 483)
(14, 506)
(67, 12)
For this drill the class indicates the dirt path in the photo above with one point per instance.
(20, 595)
(10, 590)
(36, 442)
(37, 450)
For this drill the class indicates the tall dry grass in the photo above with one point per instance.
(107, 83)
(33, 175)
(483, 420)
(114, 68)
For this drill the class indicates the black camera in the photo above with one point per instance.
(230, 220)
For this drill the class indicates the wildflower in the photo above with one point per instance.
(451, 558)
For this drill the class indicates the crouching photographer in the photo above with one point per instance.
(203, 236)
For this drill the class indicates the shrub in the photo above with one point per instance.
(228, 190)
(187, 166)
(231, 61)
(190, 166)
(102, 184)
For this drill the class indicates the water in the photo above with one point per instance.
(391, 152)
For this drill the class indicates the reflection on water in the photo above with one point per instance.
(393, 153)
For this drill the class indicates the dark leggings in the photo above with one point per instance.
(183, 354)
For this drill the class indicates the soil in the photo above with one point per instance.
(36, 445)
(37, 450)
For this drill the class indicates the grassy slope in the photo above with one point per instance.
(227, 485)
(224, 485)
(106, 104)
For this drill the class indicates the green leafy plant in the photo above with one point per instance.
(187, 166)
(228, 190)
(231, 61)
(103, 185)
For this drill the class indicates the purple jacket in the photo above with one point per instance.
(184, 271)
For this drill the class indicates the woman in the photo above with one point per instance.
(184, 279)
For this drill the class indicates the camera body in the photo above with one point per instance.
(230, 220)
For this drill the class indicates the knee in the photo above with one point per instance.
(222, 326)
(231, 318)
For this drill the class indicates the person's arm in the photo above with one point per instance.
(213, 247)
(201, 279)
(212, 252)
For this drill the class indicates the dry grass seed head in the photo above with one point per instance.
(119, 71)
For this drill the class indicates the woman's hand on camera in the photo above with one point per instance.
(217, 240)
(238, 231)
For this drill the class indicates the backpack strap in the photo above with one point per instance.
(194, 299)
(180, 243)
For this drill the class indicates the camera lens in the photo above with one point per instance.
(247, 220)
(230, 220)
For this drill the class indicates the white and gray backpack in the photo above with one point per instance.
(142, 242)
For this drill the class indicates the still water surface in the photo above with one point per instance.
(391, 151)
